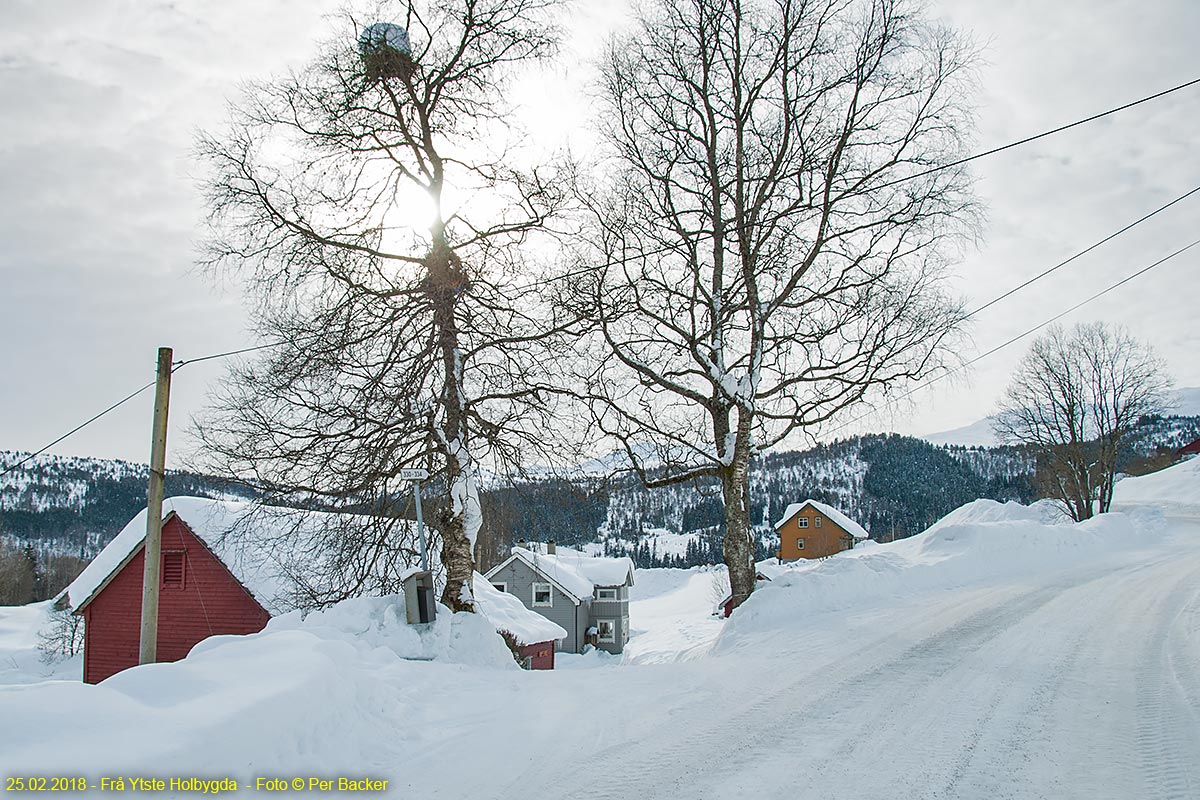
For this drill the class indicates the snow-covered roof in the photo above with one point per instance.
(575, 572)
(506, 612)
(841, 520)
(245, 542)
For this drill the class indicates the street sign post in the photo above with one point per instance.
(416, 476)
(413, 474)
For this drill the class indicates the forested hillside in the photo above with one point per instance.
(54, 507)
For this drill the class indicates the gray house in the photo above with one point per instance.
(586, 595)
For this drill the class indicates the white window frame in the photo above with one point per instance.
(625, 628)
(612, 628)
(818, 521)
(500, 586)
(800, 543)
(802, 522)
(549, 595)
(613, 594)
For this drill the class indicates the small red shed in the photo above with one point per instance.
(533, 636)
(204, 592)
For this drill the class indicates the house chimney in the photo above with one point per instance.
(550, 549)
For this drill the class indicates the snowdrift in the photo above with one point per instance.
(301, 683)
(1174, 489)
(980, 542)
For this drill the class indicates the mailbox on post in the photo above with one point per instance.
(419, 604)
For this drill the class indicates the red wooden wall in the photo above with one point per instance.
(210, 601)
(541, 655)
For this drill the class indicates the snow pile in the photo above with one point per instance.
(315, 689)
(985, 510)
(977, 544)
(20, 659)
(1174, 488)
(507, 613)
(373, 624)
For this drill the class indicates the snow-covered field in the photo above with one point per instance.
(1002, 654)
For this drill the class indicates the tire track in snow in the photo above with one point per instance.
(829, 722)
(1167, 740)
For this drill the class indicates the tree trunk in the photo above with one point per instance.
(739, 545)
(445, 284)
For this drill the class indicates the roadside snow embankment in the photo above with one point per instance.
(309, 685)
(979, 543)
(1175, 490)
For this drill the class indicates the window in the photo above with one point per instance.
(501, 586)
(625, 628)
(818, 521)
(800, 544)
(172, 568)
(606, 594)
(606, 630)
(542, 595)
(802, 522)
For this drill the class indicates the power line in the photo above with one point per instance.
(178, 364)
(1024, 334)
(575, 273)
(77, 428)
(1081, 253)
(930, 171)
(1042, 135)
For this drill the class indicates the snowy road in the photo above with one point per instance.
(1086, 685)
(922, 669)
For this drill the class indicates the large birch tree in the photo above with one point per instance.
(774, 233)
(370, 203)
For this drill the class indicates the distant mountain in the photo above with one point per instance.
(893, 485)
(1181, 403)
(977, 434)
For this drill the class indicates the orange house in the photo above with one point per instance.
(815, 530)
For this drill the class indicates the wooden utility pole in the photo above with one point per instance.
(154, 499)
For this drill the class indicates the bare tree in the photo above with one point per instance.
(61, 637)
(1073, 399)
(372, 206)
(775, 229)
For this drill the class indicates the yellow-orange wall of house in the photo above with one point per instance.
(818, 542)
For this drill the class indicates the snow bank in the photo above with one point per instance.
(1175, 488)
(20, 659)
(979, 543)
(379, 624)
(314, 688)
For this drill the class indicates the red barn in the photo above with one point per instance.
(207, 588)
(1188, 449)
(226, 570)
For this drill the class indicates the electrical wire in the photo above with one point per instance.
(1081, 253)
(1020, 336)
(1037, 136)
(575, 273)
(77, 428)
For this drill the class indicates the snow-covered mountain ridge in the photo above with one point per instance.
(893, 485)
(1181, 403)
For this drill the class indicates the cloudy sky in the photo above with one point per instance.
(99, 212)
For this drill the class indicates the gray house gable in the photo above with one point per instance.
(575, 614)
(518, 579)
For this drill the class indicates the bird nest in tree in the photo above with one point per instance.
(386, 52)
